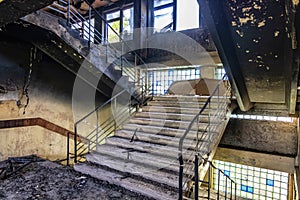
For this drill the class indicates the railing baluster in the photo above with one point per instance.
(218, 195)
(235, 191)
(209, 181)
(75, 143)
(68, 13)
(196, 192)
(230, 190)
(68, 149)
(225, 187)
(97, 128)
(90, 14)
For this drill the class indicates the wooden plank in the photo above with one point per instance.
(273, 162)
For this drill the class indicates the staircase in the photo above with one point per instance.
(160, 149)
(143, 155)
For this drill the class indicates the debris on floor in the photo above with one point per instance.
(42, 179)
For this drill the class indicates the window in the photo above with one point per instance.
(188, 14)
(163, 15)
(161, 79)
(253, 182)
(119, 22)
(169, 15)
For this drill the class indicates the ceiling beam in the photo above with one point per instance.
(218, 26)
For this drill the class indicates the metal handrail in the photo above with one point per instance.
(105, 21)
(82, 24)
(232, 182)
(208, 128)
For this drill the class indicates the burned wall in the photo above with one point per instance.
(277, 138)
(49, 96)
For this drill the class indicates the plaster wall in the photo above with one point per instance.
(277, 138)
(50, 97)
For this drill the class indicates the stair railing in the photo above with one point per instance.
(214, 112)
(82, 24)
(98, 133)
(230, 186)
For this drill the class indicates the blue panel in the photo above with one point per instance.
(244, 188)
(197, 72)
(250, 189)
(170, 72)
(158, 83)
(270, 182)
(227, 172)
(247, 189)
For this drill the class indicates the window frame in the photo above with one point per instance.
(120, 19)
(174, 5)
(168, 5)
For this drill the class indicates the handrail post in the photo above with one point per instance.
(196, 193)
(225, 187)
(68, 13)
(180, 175)
(209, 120)
(218, 196)
(230, 190)
(97, 128)
(68, 148)
(90, 14)
(235, 190)
(122, 51)
(75, 144)
(209, 181)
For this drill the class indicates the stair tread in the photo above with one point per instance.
(180, 104)
(173, 132)
(159, 139)
(170, 116)
(155, 149)
(151, 174)
(159, 162)
(168, 109)
(167, 123)
(180, 97)
(129, 183)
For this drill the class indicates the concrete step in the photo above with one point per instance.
(155, 149)
(170, 116)
(177, 110)
(159, 139)
(167, 123)
(198, 105)
(129, 183)
(184, 98)
(134, 169)
(173, 132)
(180, 98)
(140, 157)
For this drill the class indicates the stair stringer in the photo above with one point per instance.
(93, 58)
